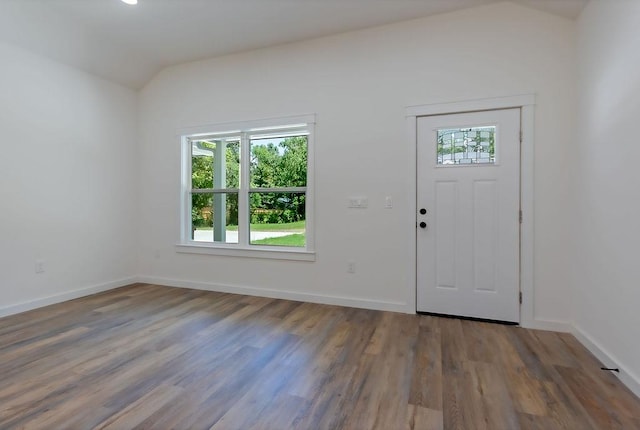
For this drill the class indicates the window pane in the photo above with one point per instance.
(279, 162)
(214, 217)
(277, 219)
(475, 145)
(209, 170)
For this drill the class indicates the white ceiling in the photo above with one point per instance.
(130, 44)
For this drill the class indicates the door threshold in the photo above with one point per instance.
(460, 317)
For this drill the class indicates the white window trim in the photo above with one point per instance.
(243, 248)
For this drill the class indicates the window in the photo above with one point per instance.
(475, 145)
(247, 189)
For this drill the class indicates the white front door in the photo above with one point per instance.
(468, 235)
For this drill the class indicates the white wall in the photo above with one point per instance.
(67, 181)
(605, 231)
(359, 84)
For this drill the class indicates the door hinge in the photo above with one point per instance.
(520, 297)
(520, 136)
(520, 217)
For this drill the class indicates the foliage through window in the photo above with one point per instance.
(474, 145)
(249, 188)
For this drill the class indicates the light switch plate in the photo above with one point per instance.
(358, 202)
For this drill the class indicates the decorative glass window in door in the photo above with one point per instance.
(467, 146)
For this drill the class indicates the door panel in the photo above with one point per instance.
(469, 183)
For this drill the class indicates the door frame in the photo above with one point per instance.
(526, 104)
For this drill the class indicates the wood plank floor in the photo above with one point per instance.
(147, 356)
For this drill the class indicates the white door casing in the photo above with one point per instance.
(468, 254)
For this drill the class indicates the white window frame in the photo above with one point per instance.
(264, 127)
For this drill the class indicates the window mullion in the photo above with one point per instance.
(309, 191)
(243, 196)
(300, 190)
(186, 233)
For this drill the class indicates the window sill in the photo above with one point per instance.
(253, 252)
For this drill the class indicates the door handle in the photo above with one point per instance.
(423, 224)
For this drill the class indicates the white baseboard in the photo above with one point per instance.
(629, 379)
(63, 297)
(548, 325)
(282, 294)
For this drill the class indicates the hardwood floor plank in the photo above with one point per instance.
(328, 409)
(525, 345)
(380, 335)
(135, 412)
(152, 357)
(399, 357)
(423, 418)
(480, 341)
(592, 400)
(454, 351)
(535, 422)
(267, 388)
(553, 350)
(527, 392)
(426, 381)
(282, 413)
(564, 409)
(507, 354)
(461, 408)
(608, 385)
(491, 388)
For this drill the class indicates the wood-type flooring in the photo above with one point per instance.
(153, 357)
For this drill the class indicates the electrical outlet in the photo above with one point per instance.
(351, 267)
(39, 266)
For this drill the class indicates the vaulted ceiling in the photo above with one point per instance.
(129, 44)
